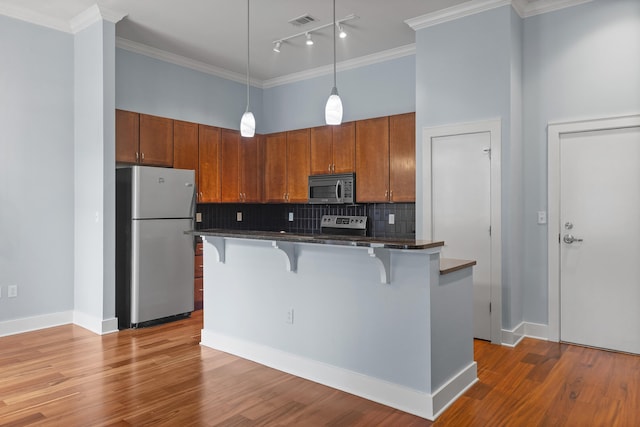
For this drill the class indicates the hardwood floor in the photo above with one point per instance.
(67, 376)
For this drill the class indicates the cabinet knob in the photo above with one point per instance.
(143, 156)
(137, 156)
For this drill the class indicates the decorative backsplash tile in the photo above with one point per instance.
(306, 218)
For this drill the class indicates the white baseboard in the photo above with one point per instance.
(28, 324)
(452, 390)
(512, 338)
(95, 324)
(396, 396)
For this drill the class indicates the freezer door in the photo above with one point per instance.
(162, 269)
(162, 192)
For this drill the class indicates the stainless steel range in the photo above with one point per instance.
(346, 225)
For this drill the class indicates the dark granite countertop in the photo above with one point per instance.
(323, 239)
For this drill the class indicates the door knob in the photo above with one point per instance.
(568, 238)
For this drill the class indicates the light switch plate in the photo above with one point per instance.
(542, 217)
(239, 216)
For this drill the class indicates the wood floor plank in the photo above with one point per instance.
(161, 376)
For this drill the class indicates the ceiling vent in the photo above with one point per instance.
(302, 20)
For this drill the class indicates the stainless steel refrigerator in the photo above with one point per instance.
(154, 256)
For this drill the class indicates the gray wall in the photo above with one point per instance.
(151, 86)
(581, 62)
(464, 74)
(94, 49)
(374, 90)
(36, 169)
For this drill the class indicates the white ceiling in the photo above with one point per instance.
(213, 32)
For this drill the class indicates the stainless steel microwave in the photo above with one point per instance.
(332, 189)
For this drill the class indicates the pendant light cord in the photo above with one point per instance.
(248, 55)
(334, 44)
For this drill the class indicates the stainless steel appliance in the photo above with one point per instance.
(154, 257)
(346, 225)
(332, 189)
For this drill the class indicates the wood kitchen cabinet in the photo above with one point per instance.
(198, 284)
(297, 166)
(275, 167)
(402, 158)
(144, 139)
(127, 136)
(286, 163)
(185, 146)
(209, 164)
(385, 159)
(239, 168)
(333, 149)
(372, 160)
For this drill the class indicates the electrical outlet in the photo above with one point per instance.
(290, 216)
(198, 217)
(239, 216)
(392, 218)
(290, 316)
(12, 291)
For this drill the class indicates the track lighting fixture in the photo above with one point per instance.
(309, 41)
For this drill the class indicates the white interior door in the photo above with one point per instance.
(600, 209)
(461, 211)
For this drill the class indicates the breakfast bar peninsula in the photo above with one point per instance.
(373, 317)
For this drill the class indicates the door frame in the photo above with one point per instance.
(424, 222)
(554, 135)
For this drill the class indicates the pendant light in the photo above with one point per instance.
(333, 109)
(248, 122)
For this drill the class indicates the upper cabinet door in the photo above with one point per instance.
(249, 170)
(321, 150)
(185, 146)
(344, 147)
(275, 167)
(156, 140)
(298, 166)
(127, 136)
(230, 173)
(372, 160)
(209, 163)
(402, 158)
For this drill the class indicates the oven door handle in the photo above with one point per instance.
(339, 191)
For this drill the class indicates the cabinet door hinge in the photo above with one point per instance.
(489, 230)
(489, 307)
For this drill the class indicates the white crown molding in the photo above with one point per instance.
(456, 12)
(182, 61)
(374, 58)
(539, 7)
(92, 15)
(36, 18)
(523, 8)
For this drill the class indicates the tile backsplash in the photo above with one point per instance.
(306, 218)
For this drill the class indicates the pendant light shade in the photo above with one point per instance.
(333, 109)
(248, 122)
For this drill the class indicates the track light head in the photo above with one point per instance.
(309, 40)
(276, 48)
(341, 32)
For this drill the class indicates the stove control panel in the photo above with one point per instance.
(353, 222)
